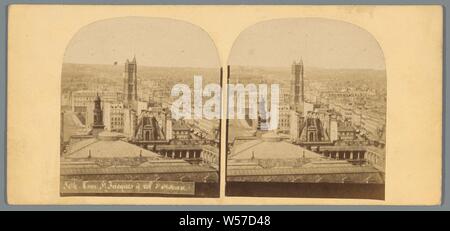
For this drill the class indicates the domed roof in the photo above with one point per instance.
(107, 146)
(107, 135)
(263, 149)
(271, 137)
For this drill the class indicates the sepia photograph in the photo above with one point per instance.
(224, 105)
(313, 93)
(119, 136)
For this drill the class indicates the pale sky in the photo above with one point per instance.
(154, 41)
(319, 42)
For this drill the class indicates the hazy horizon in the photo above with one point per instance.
(139, 65)
(239, 66)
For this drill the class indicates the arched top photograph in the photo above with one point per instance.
(327, 106)
(118, 77)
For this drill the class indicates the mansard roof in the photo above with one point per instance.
(270, 149)
(107, 146)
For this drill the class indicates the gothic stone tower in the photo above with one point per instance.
(297, 86)
(98, 125)
(130, 81)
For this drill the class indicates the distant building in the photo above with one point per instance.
(308, 107)
(149, 128)
(283, 118)
(204, 128)
(82, 99)
(356, 117)
(284, 112)
(87, 118)
(263, 120)
(372, 124)
(113, 117)
(210, 156)
(312, 129)
(346, 131)
(355, 154)
(107, 158)
(61, 133)
(129, 122)
(181, 131)
(376, 157)
(333, 128)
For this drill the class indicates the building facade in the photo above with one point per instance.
(82, 99)
(113, 116)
